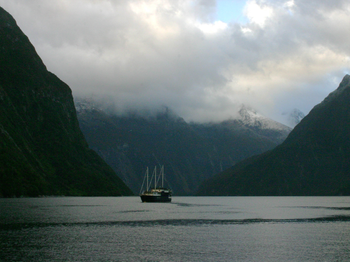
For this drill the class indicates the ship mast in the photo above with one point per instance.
(155, 177)
(147, 179)
(162, 172)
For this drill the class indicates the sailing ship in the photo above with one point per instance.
(157, 193)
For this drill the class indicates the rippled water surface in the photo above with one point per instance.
(188, 229)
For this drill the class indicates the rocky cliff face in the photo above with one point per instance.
(313, 160)
(190, 152)
(42, 150)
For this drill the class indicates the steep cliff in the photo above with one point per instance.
(313, 160)
(42, 150)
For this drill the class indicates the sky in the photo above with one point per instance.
(201, 58)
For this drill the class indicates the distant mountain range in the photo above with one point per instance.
(42, 150)
(313, 160)
(190, 152)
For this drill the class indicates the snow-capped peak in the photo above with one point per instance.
(251, 117)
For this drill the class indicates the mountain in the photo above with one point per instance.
(190, 152)
(42, 150)
(262, 125)
(313, 160)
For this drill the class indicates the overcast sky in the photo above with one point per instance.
(201, 58)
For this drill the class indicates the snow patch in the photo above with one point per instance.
(250, 117)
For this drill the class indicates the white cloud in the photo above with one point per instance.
(258, 13)
(289, 4)
(212, 28)
(173, 52)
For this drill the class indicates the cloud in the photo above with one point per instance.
(146, 54)
(258, 13)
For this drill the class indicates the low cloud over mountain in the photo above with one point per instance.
(281, 54)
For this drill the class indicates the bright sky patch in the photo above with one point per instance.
(230, 11)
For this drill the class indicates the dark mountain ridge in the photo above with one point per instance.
(190, 152)
(42, 150)
(313, 160)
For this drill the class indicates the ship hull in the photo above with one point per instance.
(145, 198)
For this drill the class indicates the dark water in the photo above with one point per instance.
(188, 229)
